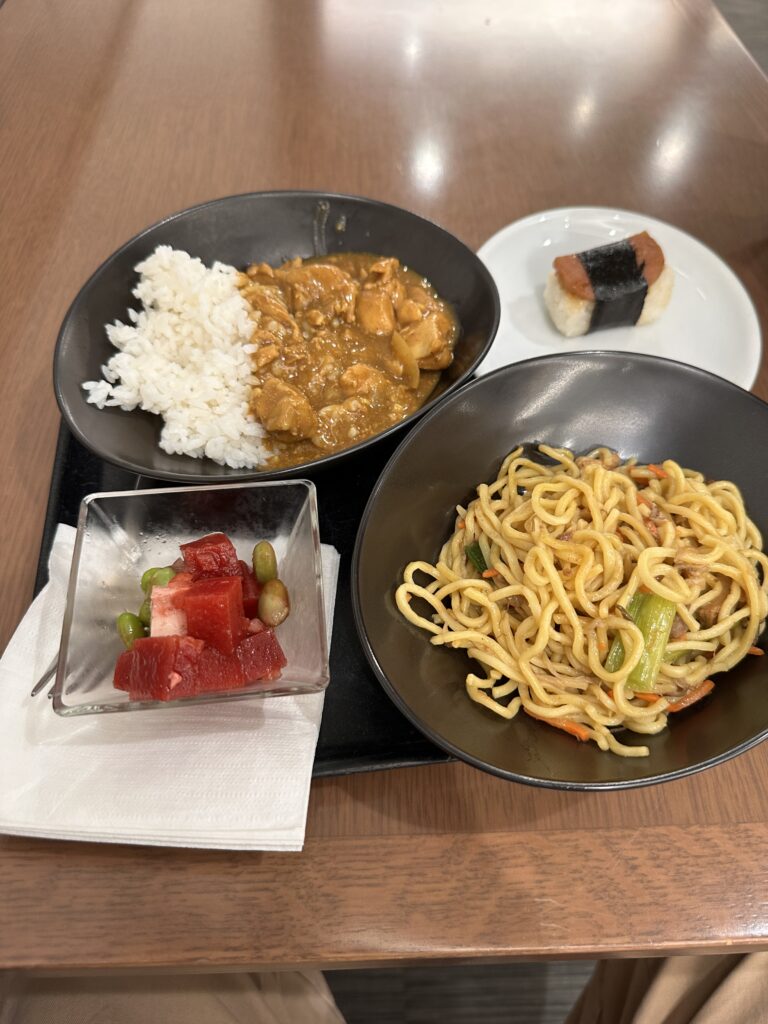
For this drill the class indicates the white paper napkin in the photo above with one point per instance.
(229, 776)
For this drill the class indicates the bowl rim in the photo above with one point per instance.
(245, 476)
(424, 727)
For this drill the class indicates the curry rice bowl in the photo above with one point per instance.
(186, 357)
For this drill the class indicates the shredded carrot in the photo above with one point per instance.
(642, 589)
(651, 698)
(579, 731)
(488, 574)
(652, 528)
(756, 650)
(642, 500)
(692, 696)
(657, 471)
(461, 524)
(603, 645)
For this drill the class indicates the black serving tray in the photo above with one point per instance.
(361, 729)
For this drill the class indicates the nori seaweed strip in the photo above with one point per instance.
(618, 284)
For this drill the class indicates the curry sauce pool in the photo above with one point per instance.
(345, 346)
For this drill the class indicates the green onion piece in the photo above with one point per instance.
(674, 658)
(615, 658)
(653, 616)
(475, 555)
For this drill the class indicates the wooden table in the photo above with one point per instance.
(116, 113)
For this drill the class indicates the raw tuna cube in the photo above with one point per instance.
(122, 680)
(251, 591)
(260, 656)
(159, 668)
(181, 579)
(214, 611)
(211, 556)
(216, 671)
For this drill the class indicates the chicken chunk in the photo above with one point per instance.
(409, 312)
(364, 380)
(382, 271)
(382, 277)
(343, 423)
(284, 411)
(326, 288)
(375, 312)
(260, 270)
(265, 355)
(431, 346)
(420, 295)
(422, 338)
(274, 318)
(338, 424)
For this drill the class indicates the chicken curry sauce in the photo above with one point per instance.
(344, 346)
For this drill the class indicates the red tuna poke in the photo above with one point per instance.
(207, 624)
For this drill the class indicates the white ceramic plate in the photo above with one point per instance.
(710, 321)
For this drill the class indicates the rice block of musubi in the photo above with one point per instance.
(622, 284)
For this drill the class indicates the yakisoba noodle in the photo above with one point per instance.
(567, 545)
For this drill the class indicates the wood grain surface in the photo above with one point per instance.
(115, 114)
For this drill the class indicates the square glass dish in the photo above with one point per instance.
(121, 534)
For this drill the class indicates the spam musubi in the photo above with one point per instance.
(622, 284)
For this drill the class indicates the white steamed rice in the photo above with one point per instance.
(186, 357)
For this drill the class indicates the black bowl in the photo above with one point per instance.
(269, 226)
(639, 405)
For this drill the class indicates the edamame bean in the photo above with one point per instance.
(264, 562)
(274, 603)
(130, 628)
(145, 612)
(156, 577)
